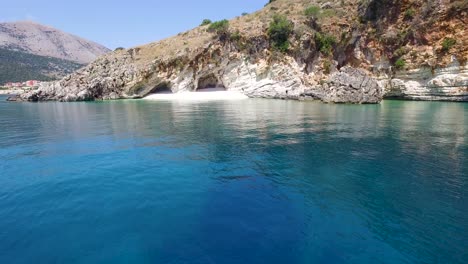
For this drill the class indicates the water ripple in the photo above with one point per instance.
(251, 181)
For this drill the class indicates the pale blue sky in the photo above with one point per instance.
(124, 23)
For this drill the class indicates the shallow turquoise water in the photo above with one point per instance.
(256, 181)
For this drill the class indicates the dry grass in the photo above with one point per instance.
(250, 25)
(337, 20)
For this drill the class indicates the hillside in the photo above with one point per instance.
(357, 51)
(17, 66)
(46, 41)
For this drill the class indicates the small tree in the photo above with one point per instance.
(279, 31)
(205, 22)
(324, 42)
(219, 27)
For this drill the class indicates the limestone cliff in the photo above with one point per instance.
(338, 51)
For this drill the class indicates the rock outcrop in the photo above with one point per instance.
(349, 85)
(329, 57)
(104, 79)
(425, 84)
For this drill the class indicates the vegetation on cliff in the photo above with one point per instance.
(279, 31)
(16, 66)
(290, 46)
(420, 32)
(429, 32)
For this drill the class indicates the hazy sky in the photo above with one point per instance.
(124, 23)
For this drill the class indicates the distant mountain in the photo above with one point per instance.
(32, 51)
(42, 40)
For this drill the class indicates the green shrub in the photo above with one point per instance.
(245, 13)
(219, 27)
(236, 36)
(312, 11)
(119, 48)
(279, 31)
(324, 42)
(400, 63)
(205, 22)
(409, 13)
(448, 43)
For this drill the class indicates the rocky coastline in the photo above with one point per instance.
(281, 80)
(328, 59)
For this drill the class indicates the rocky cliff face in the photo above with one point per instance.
(217, 66)
(444, 84)
(329, 57)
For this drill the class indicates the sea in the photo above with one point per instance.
(233, 181)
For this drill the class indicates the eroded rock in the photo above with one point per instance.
(349, 85)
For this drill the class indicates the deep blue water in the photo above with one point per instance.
(255, 181)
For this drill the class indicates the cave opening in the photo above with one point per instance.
(209, 83)
(162, 88)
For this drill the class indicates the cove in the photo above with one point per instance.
(242, 181)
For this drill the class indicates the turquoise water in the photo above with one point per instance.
(255, 181)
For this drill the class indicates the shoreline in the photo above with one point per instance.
(11, 92)
(197, 96)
